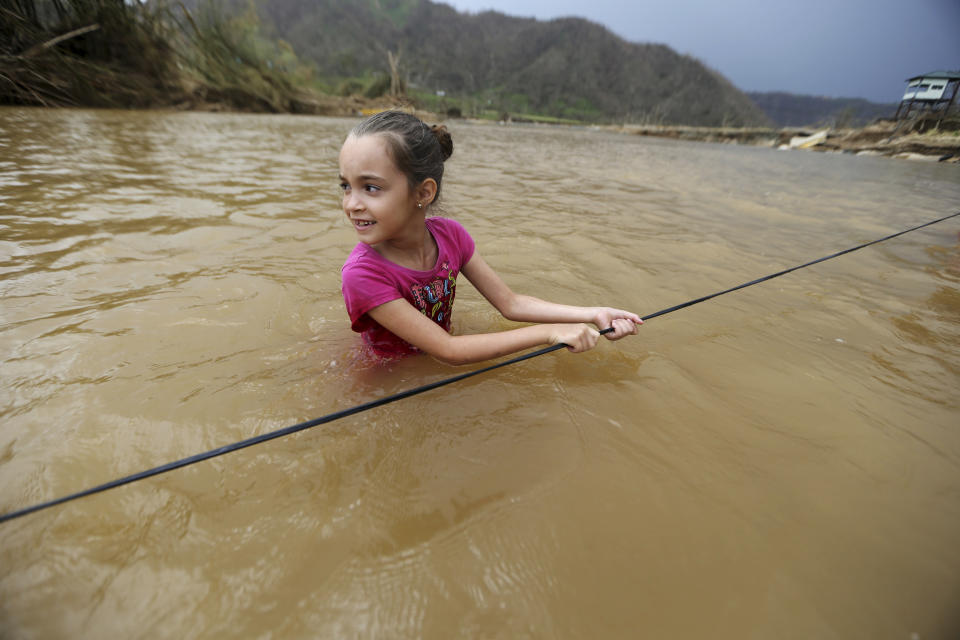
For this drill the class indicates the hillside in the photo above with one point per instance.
(331, 56)
(790, 110)
(568, 67)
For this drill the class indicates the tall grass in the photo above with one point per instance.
(120, 53)
(94, 52)
(230, 60)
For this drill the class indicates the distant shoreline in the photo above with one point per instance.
(879, 139)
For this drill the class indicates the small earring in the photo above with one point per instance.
(419, 205)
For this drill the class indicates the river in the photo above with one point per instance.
(779, 462)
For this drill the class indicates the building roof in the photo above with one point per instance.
(938, 75)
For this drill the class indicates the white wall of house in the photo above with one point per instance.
(926, 89)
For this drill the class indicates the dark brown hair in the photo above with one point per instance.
(417, 149)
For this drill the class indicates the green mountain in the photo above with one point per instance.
(790, 110)
(569, 67)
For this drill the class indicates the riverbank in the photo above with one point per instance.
(879, 139)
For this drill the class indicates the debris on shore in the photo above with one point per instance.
(878, 139)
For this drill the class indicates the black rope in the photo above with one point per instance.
(279, 433)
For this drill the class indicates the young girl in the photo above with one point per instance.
(400, 280)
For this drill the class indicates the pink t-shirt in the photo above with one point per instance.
(369, 280)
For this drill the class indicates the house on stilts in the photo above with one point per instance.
(930, 97)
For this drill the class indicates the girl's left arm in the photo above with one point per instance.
(523, 308)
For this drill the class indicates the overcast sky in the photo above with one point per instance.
(837, 48)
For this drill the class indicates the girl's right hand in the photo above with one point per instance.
(577, 337)
(623, 323)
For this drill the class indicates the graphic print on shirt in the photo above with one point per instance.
(435, 299)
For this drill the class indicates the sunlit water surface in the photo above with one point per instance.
(780, 462)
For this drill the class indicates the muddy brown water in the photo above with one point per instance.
(781, 462)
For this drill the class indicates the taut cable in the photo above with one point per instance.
(249, 442)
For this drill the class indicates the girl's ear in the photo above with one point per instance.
(427, 191)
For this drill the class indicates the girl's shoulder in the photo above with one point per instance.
(361, 254)
(448, 225)
(451, 231)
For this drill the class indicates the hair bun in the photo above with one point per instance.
(444, 138)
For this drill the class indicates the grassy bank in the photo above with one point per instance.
(111, 53)
(97, 53)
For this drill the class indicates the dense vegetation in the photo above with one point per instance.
(567, 68)
(102, 52)
(790, 110)
(114, 53)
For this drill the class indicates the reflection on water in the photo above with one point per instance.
(783, 461)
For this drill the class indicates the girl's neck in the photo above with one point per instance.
(416, 249)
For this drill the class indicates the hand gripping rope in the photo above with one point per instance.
(279, 433)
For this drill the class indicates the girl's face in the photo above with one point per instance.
(377, 198)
